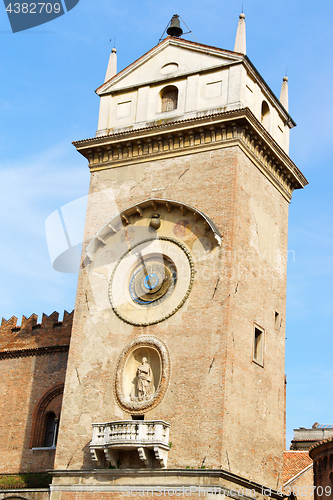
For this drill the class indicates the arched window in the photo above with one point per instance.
(169, 98)
(265, 114)
(319, 468)
(45, 419)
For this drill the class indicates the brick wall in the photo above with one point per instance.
(322, 456)
(33, 359)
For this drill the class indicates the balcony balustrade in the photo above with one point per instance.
(148, 437)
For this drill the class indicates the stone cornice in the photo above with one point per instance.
(166, 478)
(39, 351)
(203, 133)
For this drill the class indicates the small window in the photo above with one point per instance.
(138, 417)
(258, 347)
(169, 98)
(277, 321)
(51, 431)
(265, 114)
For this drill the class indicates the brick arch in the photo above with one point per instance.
(41, 410)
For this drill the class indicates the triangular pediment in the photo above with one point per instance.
(172, 58)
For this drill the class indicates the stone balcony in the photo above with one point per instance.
(150, 438)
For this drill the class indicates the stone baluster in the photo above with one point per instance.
(202, 136)
(223, 132)
(192, 140)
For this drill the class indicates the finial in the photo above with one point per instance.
(240, 43)
(112, 66)
(284, 93)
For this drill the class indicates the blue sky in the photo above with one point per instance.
(47, 100)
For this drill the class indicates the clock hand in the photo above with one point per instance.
(145, 271)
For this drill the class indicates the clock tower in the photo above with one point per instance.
(175, 378)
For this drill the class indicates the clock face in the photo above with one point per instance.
(151, 281)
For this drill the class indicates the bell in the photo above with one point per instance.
(174, 28)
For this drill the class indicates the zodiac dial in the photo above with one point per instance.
(151, 281)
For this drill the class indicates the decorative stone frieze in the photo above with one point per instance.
(213, 131)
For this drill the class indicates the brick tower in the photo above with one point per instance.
(176, 366)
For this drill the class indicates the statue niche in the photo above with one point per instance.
(142, 375)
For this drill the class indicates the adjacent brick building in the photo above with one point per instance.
(322, 456)
(33, 359)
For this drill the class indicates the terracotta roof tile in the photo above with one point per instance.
(294, 462)
(324, 441)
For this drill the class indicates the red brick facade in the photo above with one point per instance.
(33, 360)
(322, 456)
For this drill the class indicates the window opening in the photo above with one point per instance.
(51, 432)
(265, 114)
(258, 350)
(169, 98)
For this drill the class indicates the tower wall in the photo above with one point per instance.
(221, 405)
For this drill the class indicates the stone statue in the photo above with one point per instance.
(144, 378)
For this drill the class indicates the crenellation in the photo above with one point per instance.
(48, 320)
(11, 323)
(32, 335)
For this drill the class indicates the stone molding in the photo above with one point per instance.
(38, 351)
(204, 133)
(139, 407)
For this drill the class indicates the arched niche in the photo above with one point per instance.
(127, 383)
(265, 115)
(169, 98)
(113, 244)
